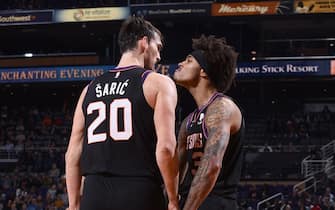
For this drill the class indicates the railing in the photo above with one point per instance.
(305, 185)
(303, 163)
(312, 167)
(8, 155)
(270, 198)
(328, 150)
(330, 168)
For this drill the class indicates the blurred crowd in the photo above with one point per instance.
(33, 191)
(23, 129)
(33, 141)
(299, 126)
(36, 138)
(47, 191)
(319, 198)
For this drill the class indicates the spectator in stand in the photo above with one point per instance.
(54, 171)
(326, 204)
(329, 193)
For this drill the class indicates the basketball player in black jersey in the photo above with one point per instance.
(122, 138)
(210, 138)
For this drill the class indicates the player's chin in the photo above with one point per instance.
(176, 79)
(177, 76)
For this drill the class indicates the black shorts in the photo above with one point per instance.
(118, 193)
(214, 202)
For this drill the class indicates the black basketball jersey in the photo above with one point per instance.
(120, 137)
(229, 177)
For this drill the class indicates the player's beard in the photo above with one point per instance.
(148, 64)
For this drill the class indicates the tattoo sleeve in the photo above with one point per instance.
(218, 123)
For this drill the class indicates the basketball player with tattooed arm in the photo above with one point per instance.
(210, 138)
(123, 135)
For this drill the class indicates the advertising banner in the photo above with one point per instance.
(244, 70)
(275, 68)
(283, 68)
(249, 8)
(51, 74)
(169, 10)
(92, 14)
(28, 17)
(314, 6)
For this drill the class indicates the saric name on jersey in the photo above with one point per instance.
(113, 88)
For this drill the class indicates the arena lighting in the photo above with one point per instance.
(28, 55)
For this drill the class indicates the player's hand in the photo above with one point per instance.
(173, 206)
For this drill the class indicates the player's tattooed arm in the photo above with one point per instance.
(218, 124)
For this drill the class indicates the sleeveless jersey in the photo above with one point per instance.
(120, 137)
(229, 176)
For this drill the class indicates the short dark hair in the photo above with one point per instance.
(133, 29)
(221, 60)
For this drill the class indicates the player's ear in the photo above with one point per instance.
(143, 43)
(203, 73)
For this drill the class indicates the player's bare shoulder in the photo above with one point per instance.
(161, 80)
(155, 83)
(223, 109)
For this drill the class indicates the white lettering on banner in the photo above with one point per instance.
(101, 12)
(79, 73)
(97, 12)
(292, 68)
(158, 12)
(180, 11)
(243, 9)
(28, 75)
(198, 10)
(12, 18)
(247, 70)
(272, 69)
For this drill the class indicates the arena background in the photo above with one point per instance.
(49, 50)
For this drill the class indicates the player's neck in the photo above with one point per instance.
(202, 95)
(131, 58)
